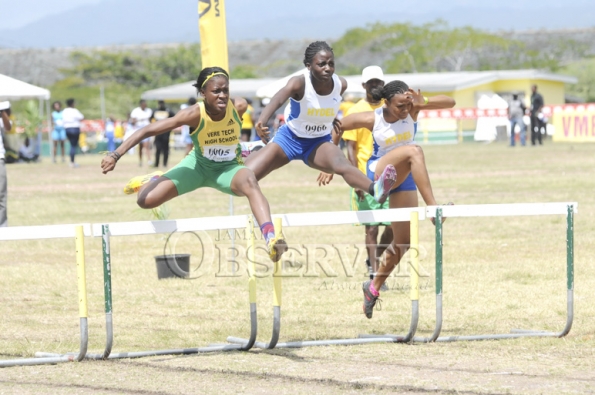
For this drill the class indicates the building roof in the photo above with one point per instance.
(427, 82)
(453, 81)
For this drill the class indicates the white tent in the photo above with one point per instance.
(487, 127)
(273, 87)
(12, 89)
(181, 92)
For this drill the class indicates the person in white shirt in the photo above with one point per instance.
(71, 118)
(5, 125)
(139, 118)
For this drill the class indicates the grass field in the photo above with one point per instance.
(499, 273)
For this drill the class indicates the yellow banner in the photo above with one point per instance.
(213, 33)
(574, 123)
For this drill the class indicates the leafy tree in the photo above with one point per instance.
(168, 66)
(434, 46)
(584, 70)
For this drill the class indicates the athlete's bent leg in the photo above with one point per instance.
(265, 160)
(401, 237)
(155, 193)
(410, 159)
(328, 158)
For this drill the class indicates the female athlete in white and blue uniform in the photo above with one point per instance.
(314, 100)
(393, 129)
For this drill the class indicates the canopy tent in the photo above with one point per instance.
(181, 92)
(12, 89)
(431, 82)
(274, 86)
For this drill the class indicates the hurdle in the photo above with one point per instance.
(56, 232)
(348, 217)
(156, 227)
(500, 210)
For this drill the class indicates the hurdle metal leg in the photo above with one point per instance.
(518, 333)
(51, 358)
(107, 354)
(438, 325)
(414, 219)
(414, 258)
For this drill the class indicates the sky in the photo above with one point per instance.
(55, 23)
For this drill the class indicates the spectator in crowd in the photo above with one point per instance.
(58, 133)
(186, 139)
(72, 118)
(110, 129)
(128, 131)
(536, 115)
(516, 112)
(161, 140)
(139, 118)
(247, 122)
(27, 152)
(5, 125)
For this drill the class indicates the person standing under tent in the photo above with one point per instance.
(58, 133)
(5, 126)
(516, 112)
(139, 118)
(393, 129)
(215, 162)
(72, 125)
(161, 140)
(247, 123)
(314, 100)
(185, 136)
(536, 115)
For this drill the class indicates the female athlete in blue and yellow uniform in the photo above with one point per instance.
(393, 128)
(216, 160)
(314, 100)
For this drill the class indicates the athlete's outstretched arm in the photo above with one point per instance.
(293, 88)
(358, 120)
(189, 116)
(437, 102)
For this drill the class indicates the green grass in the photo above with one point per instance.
(499, 273)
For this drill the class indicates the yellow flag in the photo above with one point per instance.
(213, 33)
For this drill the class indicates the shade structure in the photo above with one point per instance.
(181, 92)
(13, 89)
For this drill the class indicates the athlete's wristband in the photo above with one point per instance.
(426, 100)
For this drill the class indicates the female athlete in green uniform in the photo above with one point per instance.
(215, 162)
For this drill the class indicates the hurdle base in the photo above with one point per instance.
(315, 343)
(141, 354)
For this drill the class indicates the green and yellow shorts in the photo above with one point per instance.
(369, 203)
(195, 171)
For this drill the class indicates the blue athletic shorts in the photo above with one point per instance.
(59, 134)
(407, 185)
(297, 147)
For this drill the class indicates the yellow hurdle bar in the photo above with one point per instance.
(251, 264)
(278, 270)
(414, 254)
(80, 271)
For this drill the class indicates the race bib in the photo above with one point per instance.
(219, 153)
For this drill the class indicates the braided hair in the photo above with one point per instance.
(313, 49)
(203, 76)
(394, 88)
